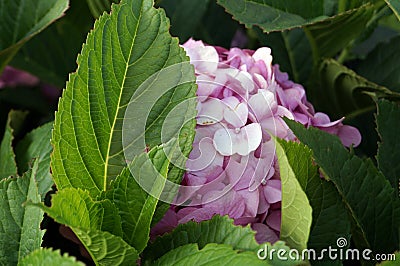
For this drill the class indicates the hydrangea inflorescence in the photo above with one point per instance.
(232, 169)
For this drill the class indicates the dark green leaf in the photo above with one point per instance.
(8, 167)
(20, 20)
(97, 7)
(185, 16)
(395, 6)
(20, 232)
(388, 126)
(48, 257)
(107, 249)
(51, 55)
(123, 51)
(345, 93)
(291, 50)
(365, 192)
(36, 144)
(381, 65)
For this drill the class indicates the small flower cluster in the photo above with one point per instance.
(232, 169)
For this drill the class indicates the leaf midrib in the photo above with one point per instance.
(119, 99)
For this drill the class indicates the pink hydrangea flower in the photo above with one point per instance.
(232, 169)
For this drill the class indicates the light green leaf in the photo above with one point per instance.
(97, 7)
(8, 167)
(51, 55)
(211, 254)
(49, 257)
(20, 231)
(124, 50)
(394, 261)
(107, 249)
(345, 93)
(219, 230)
(296, 209)
(275, 15)
(330, 219)
(76, 209)
(395, 6)
(20, 20)
(36, 144)
(388, 127)
(381, 66)
(330, 36)
(185, 16)
(135, 206)
(366, 193)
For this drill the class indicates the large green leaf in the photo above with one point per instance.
(381, 66)
(395, 6)
(330, 219)
(107, 249)
(296, 209)
(135, 206)
(36, 144)
(48, 257)
(345, 93)
(388, 126)
(76, 209)
(20, 20)
(20, 232)
(8, 167)
(51, 55)
(219, 230)
(211, 254)
(365, 192)
(124, 50)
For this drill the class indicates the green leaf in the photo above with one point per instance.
(107, 249)
(211, 254)
(185, 16)
(36, 144)
(275, 15)
(330, 36)
(123, 51)
(395, 6)
(49, 257)
(135, 206)
(51, 55)
(20, 231)
(330, 219)
(365, 192)
(395, 260)
(291, 50)
(219, 230)
(8, 167)
(381, 66)
(388, 127)
(76, 209)
(21, 20)
(346, 93)
(296, 209)
(97, 7)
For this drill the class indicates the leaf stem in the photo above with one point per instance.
(313, 44)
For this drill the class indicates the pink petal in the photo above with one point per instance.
(263, 104)
(210, 111)
(349, 135)
(264, 233)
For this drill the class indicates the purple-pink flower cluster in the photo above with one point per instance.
(232, 169)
